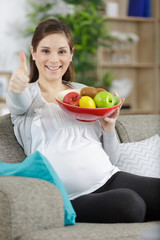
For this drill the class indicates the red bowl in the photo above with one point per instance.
(88, 114)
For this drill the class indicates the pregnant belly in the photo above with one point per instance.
(81, 170)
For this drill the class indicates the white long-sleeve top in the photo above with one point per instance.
(82, 154)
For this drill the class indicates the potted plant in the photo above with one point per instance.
(108, 78)
(88, 28)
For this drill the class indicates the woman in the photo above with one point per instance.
(83, 154)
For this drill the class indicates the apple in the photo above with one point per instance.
(72, 98)
(115, 99)
(61, 94)
(105, 99)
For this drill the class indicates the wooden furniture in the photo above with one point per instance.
(144, 67)
(3, 109)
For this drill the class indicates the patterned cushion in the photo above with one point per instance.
(141, 158)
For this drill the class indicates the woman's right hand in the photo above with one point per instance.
(19, 80)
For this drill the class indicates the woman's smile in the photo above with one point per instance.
(53, 68)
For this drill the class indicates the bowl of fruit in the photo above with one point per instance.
(88, 104)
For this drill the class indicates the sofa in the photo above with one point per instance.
(32, 209)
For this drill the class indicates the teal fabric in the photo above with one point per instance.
(37, 166)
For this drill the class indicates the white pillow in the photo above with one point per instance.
(141, 158)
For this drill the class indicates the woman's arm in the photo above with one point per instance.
(111, 146)
(110, 141)
(18, 103)
(18, 96)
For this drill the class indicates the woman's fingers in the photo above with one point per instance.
(23, 63)
(19, 80)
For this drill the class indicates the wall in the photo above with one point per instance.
(12, 19)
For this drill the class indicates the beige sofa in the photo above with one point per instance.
(32, 209)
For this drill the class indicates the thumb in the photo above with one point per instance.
(23, 64)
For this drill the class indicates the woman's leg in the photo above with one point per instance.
(146, 187)
(113, 206)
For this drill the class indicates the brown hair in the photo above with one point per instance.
(45, 28)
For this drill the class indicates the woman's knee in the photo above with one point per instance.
(134, 209)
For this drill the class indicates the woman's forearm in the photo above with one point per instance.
(18, 103)
(111, 146)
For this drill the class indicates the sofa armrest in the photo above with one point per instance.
(28, 204)
(132, 128)
(9, 146)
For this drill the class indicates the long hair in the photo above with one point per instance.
(44, 29)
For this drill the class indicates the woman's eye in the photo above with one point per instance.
(45, 51)
(62, 51)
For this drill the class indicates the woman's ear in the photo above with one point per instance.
(32, 53)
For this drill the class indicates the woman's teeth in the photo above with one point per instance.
(53, 68)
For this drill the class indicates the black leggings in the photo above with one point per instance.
(124, 198)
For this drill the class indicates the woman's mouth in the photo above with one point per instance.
(53, 68)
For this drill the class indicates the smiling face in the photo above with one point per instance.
(52, 57)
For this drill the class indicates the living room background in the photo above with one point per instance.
(133, 69)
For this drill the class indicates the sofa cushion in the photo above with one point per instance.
(141, 158)
(92, 231)
(9, 146)
(37, 166)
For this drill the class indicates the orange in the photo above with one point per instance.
(87, 102)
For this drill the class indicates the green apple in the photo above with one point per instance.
(114, 99)
(105, 99)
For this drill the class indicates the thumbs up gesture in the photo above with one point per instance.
(19, 80)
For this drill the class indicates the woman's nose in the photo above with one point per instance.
(54, 57)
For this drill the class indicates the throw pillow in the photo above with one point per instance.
(141, 158)
(37, 166)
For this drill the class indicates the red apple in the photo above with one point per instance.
(72, 98)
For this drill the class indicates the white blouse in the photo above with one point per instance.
(73, 148)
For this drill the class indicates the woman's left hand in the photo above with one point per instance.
(108, 123)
